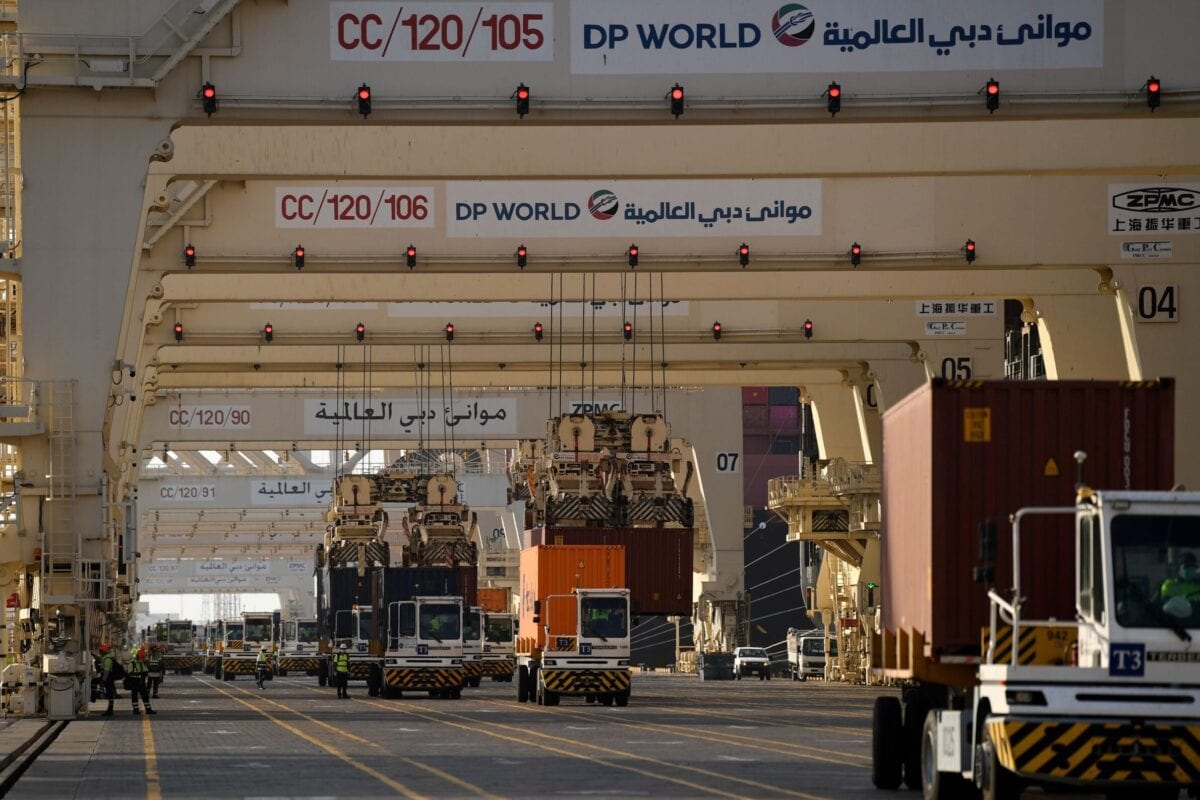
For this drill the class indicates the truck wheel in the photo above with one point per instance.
(591, 698)
(996, 782)
(456, 694)
(323, 673)
(474, 683)
(523, 684)
(768, 674)
(549, 698)
(934, 784)
(887, 739)
(608, 700)
(622, 699)
(915, 712)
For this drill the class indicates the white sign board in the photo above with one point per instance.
(682, 37)
(957, 308)
(948, 328)
(729, 463)
(1155, 208)
(340, 206)
(633, 210)
(1141, 251)
(290, 492)
(390, 417)
(399, 31)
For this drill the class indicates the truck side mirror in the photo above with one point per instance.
(985, 570)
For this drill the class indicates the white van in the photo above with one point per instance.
(807, 657)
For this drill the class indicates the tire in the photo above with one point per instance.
(622, 699)
(887, 739)
(550, 698)
(523, 684)
(768, 675)
(916, 710)
(323, 673)
(803, 678)
(435, 693)
(940, 785)
(608, 700)
(474, 683)
(590, 699)
(456, 694)
(998, 783)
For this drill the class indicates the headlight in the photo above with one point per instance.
(1024, 697)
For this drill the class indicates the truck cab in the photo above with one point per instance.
(180, 647)
(807, 654)
(499, 650)
(425, 647)
(586, 649)
(212, 646)
(473, 644)
(354, 628)
(298, 649)
(1111, 699)
(232, 631)
(258, 629)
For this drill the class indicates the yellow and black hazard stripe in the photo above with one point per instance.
(423, 677)
(473, 669)
(1098, 752)
(298, 663)
(180, 662)
(1043, 646)
(499, 667)
(586, 681)
(238, 666)
(360, 670)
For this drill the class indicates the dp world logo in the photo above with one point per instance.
(793, 25)
(602, 204)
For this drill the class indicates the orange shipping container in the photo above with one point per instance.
(550, 572)
(494, 600)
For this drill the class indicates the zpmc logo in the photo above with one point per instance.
(602, 204)
(793, 24)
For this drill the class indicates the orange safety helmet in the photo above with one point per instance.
(105, 647)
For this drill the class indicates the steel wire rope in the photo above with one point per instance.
(624, 319)
(764, 555)
(593, 341)
(550, 357)
(633, 384)
(582, 339)
(777, 577)
(453, 433)
(650, 300)
(662, 319)
(561, 335)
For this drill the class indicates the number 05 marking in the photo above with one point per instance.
(728, 462)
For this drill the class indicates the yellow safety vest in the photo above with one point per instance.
(341, 662)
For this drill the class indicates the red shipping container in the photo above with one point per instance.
(785, 418)
(658, 562)
(959, 454)
(755, 419)
(754, 395)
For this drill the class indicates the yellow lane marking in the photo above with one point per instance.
(568, 753)
(333, 751)
(347, 734)
(806, 751)
(727, 715)
(153, 789)
(550, 748)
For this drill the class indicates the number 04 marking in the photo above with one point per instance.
(728, 462)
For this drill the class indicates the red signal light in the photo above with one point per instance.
(298, 256)
(993, 95)
(676, 97)
(537, 331)
(833, 102)
(268, 331)
(628, 331)
(856, 254)
(744, 254)
(208, 98)
(410, 256)
(1153, 93)
(632, 252)
(360, 331)
(969, 250)
(808, 329)
(716, 331)
(189, 256)
(522, 256)
(179, 331)
(449, 331)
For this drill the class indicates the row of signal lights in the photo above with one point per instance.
(631, 253)
(360, 331)
(832, 94)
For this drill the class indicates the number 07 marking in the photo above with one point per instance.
(729, 462)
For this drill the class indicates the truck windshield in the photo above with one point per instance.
(1156, 571)
(604, 617)
(233, 631)
(752, 652)
(364, 624)
(258, 630)
(470, 626)
(440, 621)
(306, 632)
(813, 647)
(180, 635)
(498, 629)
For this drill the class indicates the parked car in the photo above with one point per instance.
(751, 661)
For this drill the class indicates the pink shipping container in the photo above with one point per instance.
(658, 562)
(754, 395)
(755, 418)
(958, 455)
(785, 418)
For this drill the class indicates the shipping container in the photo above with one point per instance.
(550, 573)
(495, 600)
(658, 562)
(758, 443)
(784, 395)
(785, 419)
(961, 456)
(785, 445)
(755, 419)
(342, 589)
(754, 395)
(758, 468)
(405, 583)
